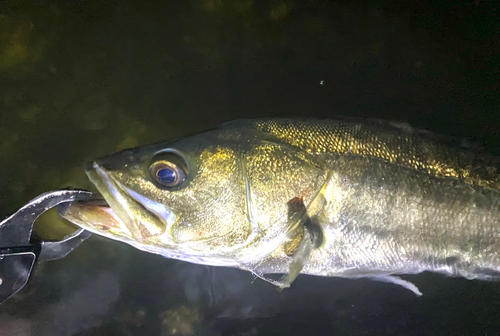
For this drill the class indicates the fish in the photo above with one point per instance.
(350, 198)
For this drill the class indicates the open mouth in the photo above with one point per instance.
(137, 217)
(116, 211)
(94, 214)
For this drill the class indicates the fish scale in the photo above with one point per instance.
(393, 142)
(346, 198)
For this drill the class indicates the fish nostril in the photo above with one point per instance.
(127, 156)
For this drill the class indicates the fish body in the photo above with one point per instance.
(341, 198)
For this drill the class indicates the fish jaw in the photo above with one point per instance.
(113, 196)
(97, 217)
(141, 223)
(114, 213)
(94, 215)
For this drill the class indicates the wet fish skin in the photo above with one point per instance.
(385, 198)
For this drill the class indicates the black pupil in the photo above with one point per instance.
(166, 175)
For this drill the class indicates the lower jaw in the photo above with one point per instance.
(93, 214)
(111, 193)
(134, 216)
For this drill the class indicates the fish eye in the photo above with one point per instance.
(168, 170)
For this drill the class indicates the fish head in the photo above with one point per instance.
(219, 198)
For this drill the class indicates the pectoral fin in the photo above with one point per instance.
(305, 236)
(310, 237)
(299, 258)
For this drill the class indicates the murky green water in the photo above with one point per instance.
(80, 79)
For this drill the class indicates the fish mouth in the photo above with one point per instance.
(116, 210)
(93, 214)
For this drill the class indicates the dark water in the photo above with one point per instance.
(79, 79)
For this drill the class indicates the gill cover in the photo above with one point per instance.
(275, 175)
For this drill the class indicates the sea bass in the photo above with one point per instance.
(340, 198)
